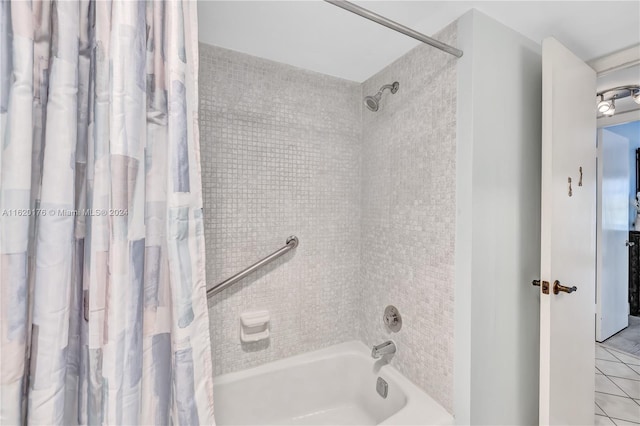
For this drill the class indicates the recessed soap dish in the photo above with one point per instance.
(254, 326)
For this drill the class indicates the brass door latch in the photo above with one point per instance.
(557, 288)
(545, 285)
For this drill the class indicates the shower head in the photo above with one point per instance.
(373, 102)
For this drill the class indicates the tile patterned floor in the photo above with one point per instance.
(627, 340)
(617, 388)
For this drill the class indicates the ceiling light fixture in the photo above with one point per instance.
(611, 108)
(607, 98)
(604, 106)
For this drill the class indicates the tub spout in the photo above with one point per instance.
(386, 348)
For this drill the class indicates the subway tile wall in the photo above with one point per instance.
(408, 214)
(280, 153)
(370, 195)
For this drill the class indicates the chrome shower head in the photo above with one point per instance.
(373, 102)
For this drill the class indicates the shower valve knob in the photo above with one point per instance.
(392, 318)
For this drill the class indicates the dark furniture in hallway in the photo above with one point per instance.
(634, 273)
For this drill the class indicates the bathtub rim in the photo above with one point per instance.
(420, 408)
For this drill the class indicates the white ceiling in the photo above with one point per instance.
(318, 36)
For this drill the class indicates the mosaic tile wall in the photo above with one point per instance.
(408, 214)
(280, 153)
(287, 151)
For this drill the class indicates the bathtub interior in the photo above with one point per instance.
(334, 390)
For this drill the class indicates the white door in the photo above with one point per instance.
(568, 238)
(612, 283)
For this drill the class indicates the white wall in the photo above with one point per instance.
(281, 154)
(370, 195)
(408, 210)
(498, 224)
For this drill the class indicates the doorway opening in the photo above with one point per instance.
(617, 331)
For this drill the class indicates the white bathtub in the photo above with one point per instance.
(332, 386)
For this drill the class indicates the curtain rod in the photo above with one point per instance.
(372, 16)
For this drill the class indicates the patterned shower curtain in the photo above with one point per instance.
(103, 311)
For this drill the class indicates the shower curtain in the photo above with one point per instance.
(103, 299)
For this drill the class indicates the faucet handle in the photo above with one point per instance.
(392, 318)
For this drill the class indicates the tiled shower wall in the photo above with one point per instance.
(287, 151)
(280, 156)
(408, 214)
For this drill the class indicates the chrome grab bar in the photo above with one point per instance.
(292, 242)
